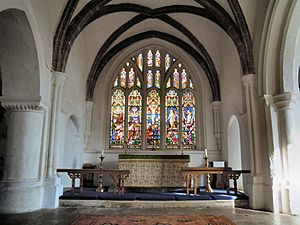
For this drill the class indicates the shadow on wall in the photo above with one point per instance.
(3, 131)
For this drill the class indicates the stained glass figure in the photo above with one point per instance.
(116, 82)
(176, 78)
(140, 62)
(153, 120)
(172, 119)
(138, 82)
(157, 59)
(188, 120)
(131, 78)
(169, 83)
(157, 79)
(117, 119)
(123, 78)
(134, 119)
(150, 58)
(183, 79)
(149, 79)
(167, 62)
(191, 84)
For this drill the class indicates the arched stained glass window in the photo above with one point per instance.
(188, 120)
(140, 62)
(157, 58)
(131, 78)
(153, 84)
(149, 79)
(134, 119)
(172, 119)
(150, 58)
(153, 120)
(117, 118)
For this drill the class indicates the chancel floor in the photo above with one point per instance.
(65, 216)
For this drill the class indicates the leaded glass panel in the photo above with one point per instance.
(153, 120)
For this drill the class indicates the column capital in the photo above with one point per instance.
(285, 100)
(89, 103)
(58, 78)
(216, 103)
(21, 104)
(248, 80)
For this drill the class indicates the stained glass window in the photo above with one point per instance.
(157, 59)
(116, 82)
(140, 62)
(123, 78)
(153, 120)
(188, 120)
(157, 79)
(150, 58)
(131, 78)
(117, 118)
(172, 119)
(142, 77)
(168, 83)
(176, 78)
(183, 79)
(138, 82)
(149, 79)
(191, 84)
(167, 62)
(134, 119)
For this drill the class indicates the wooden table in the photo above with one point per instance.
(194, 172)
(118, 177)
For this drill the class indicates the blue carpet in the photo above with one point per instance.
(178, 195)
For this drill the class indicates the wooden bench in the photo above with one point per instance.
(118, 177)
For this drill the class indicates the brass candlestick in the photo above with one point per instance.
(208, 187)
(100, 188)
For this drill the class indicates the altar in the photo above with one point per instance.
(154, 170)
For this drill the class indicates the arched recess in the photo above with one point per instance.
(18, 58)
(234, 146)
(100, 133)
(72, 154)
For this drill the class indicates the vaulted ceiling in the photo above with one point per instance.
(196, 26)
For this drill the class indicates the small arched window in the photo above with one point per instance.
(153, 103)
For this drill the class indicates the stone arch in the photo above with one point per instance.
(94, 74)
(234, 146)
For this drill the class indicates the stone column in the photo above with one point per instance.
(253, 132)
(216, 106)
(58, 79)
(88, 122)
(53, 187)
(284, 103)
(21, 188)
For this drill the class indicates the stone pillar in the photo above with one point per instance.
(88, 122)
(53, 187)
(216, 106)
(284, 103)
(21, 188)
(253, 132)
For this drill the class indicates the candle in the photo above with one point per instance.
(102, 152)
(205, 152)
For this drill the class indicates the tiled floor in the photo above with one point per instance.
(64, 216)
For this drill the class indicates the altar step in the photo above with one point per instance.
(138, 204)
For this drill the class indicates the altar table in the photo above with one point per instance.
(189, 172)
(151, 171)
(118, 177)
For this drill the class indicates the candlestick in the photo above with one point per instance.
(100, 188)
(125, 146)
(182, 144)
(208, 187)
